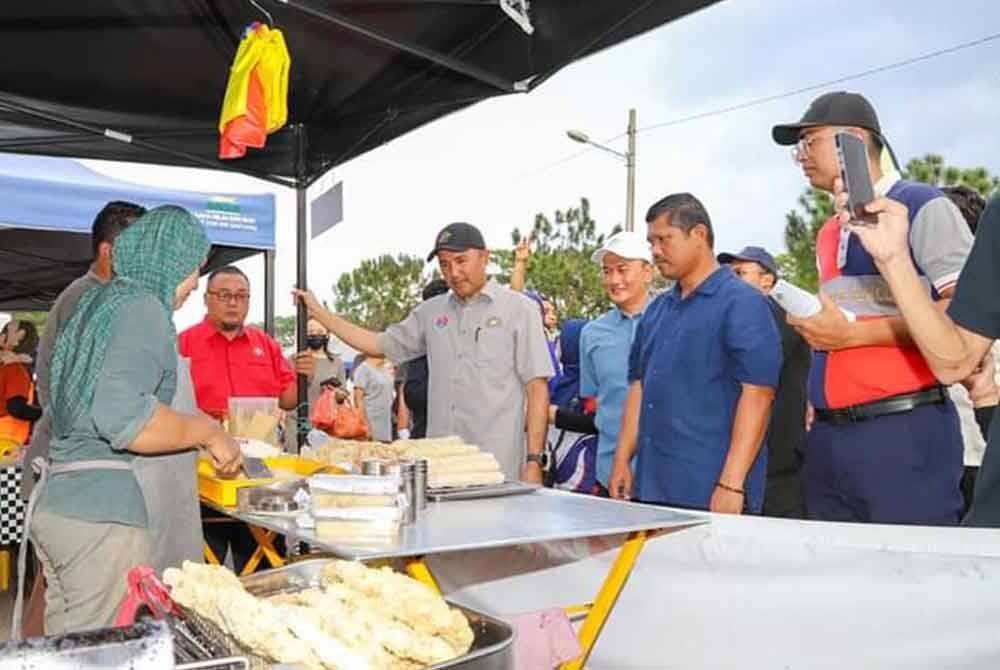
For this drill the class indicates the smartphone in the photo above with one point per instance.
(853, 158)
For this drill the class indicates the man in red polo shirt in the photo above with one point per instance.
(232, 360)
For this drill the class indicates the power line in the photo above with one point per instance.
(832, 82)
(770, 98)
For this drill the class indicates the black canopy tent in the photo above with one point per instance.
(143, 80)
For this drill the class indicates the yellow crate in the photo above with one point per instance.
(221, 491)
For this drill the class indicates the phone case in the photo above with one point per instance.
(852, 156)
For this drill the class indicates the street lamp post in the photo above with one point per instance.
(628, 157)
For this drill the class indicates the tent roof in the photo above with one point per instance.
(48, 207)
(363, 71)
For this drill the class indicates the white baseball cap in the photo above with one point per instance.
(629, 245)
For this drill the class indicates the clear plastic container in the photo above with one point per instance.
(255, 418)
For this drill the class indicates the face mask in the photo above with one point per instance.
(317, 342)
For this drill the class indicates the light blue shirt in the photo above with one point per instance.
(604, 349)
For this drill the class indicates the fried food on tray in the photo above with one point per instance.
(450, 461)
(358, 619)
(404, 599)
(217, 594)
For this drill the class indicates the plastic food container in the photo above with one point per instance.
(223, 492)
(255, 418)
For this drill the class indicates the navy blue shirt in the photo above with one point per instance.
(692, 355)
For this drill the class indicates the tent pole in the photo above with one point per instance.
(301, 262)
(269, 292)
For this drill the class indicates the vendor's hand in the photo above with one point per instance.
(531, 473)
(522, 252)
(829, 330)
(309, 301)
(225, 452)
(981, 384)
(620, 483)
(305, 364)
(726, 502)
(887, 240)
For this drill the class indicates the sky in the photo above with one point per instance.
(502, 161)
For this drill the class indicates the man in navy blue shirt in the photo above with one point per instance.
(703, 369)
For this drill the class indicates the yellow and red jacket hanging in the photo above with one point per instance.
(256, 102)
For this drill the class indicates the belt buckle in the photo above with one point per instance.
(853, 416)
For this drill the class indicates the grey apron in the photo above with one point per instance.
(169, 488)
(169, 484)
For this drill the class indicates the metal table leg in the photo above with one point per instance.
(210, 556)
(417, 568)
(606, 598)
(597, 612)
(265, 549)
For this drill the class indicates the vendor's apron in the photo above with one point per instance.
(169, 488)
(169, 484)
(44, 469)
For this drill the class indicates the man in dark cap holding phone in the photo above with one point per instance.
(885, 446)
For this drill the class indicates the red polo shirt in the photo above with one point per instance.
(251, 365)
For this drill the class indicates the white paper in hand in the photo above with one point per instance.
(798, 302)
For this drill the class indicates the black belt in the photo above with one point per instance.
(894, 405)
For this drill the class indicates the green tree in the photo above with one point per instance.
(37, 318)
(931, 169)
(798, 264)
(381, 291)
(284, 330)
(560, 265)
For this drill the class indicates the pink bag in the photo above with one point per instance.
(545, 639)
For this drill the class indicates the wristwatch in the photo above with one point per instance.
(542, 459)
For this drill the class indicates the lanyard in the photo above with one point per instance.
(843, 244)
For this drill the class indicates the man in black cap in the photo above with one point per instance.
(786, 432)
(486, 355)
(885, 446)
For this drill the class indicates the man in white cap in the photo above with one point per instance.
(626, 273)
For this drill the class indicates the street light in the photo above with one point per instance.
(628, 157)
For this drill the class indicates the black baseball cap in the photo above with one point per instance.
(754, 254)
(457, 237)
(831, 109)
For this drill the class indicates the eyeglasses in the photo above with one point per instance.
(801, 150)
(229, 296)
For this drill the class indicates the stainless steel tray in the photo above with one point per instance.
(270, 499)
(492, 648)
(475, 492)
(147, 644)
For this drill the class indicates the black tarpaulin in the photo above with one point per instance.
(363, 72)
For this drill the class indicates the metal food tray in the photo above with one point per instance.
(492, 647)
(483, 491)
(146, 644)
